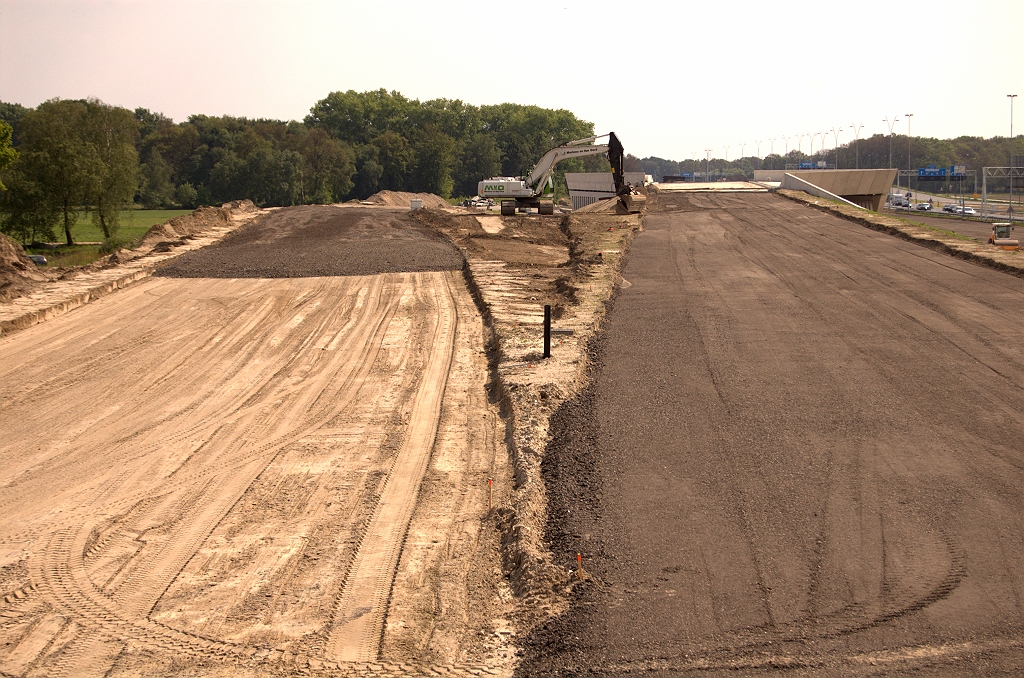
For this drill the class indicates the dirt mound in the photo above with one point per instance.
(189, 224)
(18, 274)
(240, 206)
(401, 199)
(162, 237)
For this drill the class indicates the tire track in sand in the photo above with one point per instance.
(122, 614)
(358, 619)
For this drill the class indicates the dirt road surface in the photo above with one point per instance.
(802, 452)
(272, 459)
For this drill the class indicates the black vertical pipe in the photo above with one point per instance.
(547, 331)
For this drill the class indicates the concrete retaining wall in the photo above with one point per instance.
(865, 188)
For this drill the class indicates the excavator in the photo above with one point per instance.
(536, 190)
(1000, 237)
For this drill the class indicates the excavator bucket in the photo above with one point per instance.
(633, 201)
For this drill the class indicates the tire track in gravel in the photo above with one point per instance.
(801, 452)
(752, 244)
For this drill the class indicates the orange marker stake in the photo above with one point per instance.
(490, 493)
(581, 574)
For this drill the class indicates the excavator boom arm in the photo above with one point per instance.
(573, 149)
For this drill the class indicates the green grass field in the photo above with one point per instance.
(134, 224)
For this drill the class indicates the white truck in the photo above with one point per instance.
(536, 189)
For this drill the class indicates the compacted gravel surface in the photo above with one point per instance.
(802, 451)
(315, 241)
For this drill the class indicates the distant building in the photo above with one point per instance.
(589, 187)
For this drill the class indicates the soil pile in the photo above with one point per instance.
(200, 220)
(315, 241)
(401, 199)
(18, 274)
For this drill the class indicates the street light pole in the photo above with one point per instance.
(856, 145)
(1011, 97)
(909, 166)
(707, 167)
(836, 133)
(891, 125)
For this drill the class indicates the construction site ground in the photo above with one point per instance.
(325, 441)
(802, 452)
(977, 229)
(271, 457)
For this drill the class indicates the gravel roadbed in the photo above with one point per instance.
(315, 241)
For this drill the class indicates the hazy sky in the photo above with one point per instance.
(670, 78)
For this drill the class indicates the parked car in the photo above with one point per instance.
(38, 259)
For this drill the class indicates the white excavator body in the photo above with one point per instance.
(527, 192)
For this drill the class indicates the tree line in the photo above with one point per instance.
(869, 153)
(69, 156)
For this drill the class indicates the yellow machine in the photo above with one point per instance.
(1000, 237)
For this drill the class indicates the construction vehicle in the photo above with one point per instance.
(536, 190)
(1000, 237)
